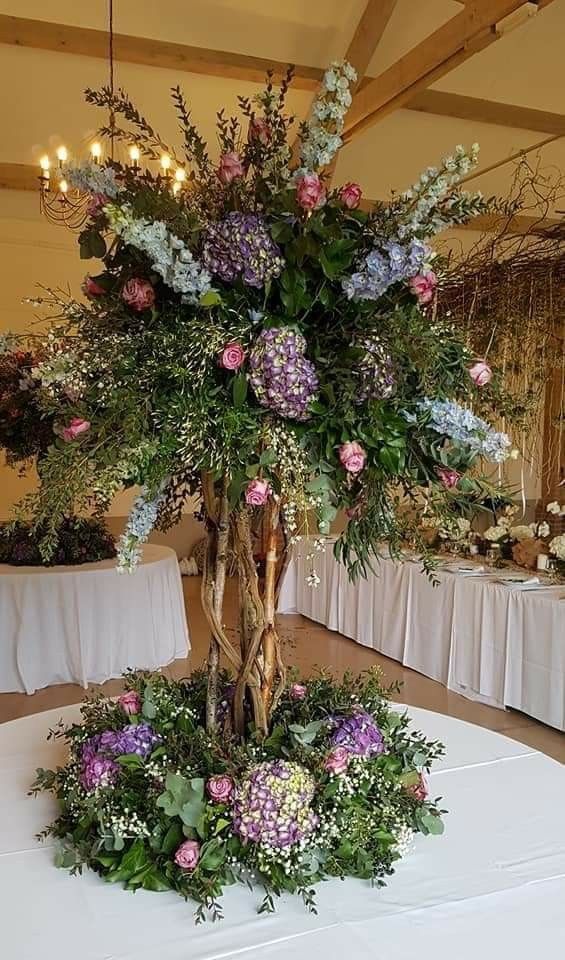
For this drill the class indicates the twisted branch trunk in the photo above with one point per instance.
(257, 663)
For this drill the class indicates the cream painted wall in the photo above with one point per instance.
(49, 109)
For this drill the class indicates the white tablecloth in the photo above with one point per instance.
(492, 887)
(487, 641)
(88, 624)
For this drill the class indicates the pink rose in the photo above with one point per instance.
(310, 191)
(187, 855)
(421, 789)
(257, 493)
(423, 286)
(337, 760)
(220, 788)
(259, 129)
(230, 167)
(138, 294)
(297, 691)
(75, 428)
(91, 288)
(130, 703)
(96, 203)
(350, 195)
(232, 356)
(480, 373)
(352, 457)
(449, 478)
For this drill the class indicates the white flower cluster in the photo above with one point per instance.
(557, 547)
(128, 825)
(168, 254)
(555, 508)
(456, 530)
(419, 206)
(321, 138)
(93, 178)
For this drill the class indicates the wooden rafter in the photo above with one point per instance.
(361, 49)
(465, 34)
(62, 38)
(453, 105)
(368, 34)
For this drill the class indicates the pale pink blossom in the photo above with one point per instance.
(449, 478)
(219, 788)
(259, 130)
(130, 703)
(75, 428)
(310, 191)
(232, 356)
(257, 493)
(350, 195)
(230, 167)
(352, 457)
(480, 373)
(297, 691)
(337, 760)
(187, 855)
(138, 294)
(423, 286)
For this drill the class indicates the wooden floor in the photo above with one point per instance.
(307, 646)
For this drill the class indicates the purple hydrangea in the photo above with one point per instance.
(393, 263)
(272, 805)
(240, 244)
(376, 371)
(358, 734)
(98, 768)
(281, 376)
(98, 771)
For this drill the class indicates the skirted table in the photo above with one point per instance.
(488, 641)
(87, 624)
(492, 886)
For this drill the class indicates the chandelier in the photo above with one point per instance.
(64, 204)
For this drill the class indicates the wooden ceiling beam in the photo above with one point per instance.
(465, 34)
(368, 35)
(61, 38)
(453, 105)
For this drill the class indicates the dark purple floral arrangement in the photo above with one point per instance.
(78, 540)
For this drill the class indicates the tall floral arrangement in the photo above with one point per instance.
(258, 338)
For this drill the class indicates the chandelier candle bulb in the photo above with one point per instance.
(62, 155)
(63, 186)
(96, 152)
(165, 164)
(134, 156)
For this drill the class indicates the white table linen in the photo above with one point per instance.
(88, 624)
(493, 886)
(488, 641)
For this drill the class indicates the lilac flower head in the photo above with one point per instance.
(450, 419)
(281, 376)
(240, 244)
(98, 753)
(358, 733)
(381, 268)
(376, 371)
(272, 805)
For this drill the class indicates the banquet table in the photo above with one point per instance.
(489, 641)
(493, 885)
(88, 623)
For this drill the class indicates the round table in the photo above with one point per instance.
(87, 624)
(493, 886)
